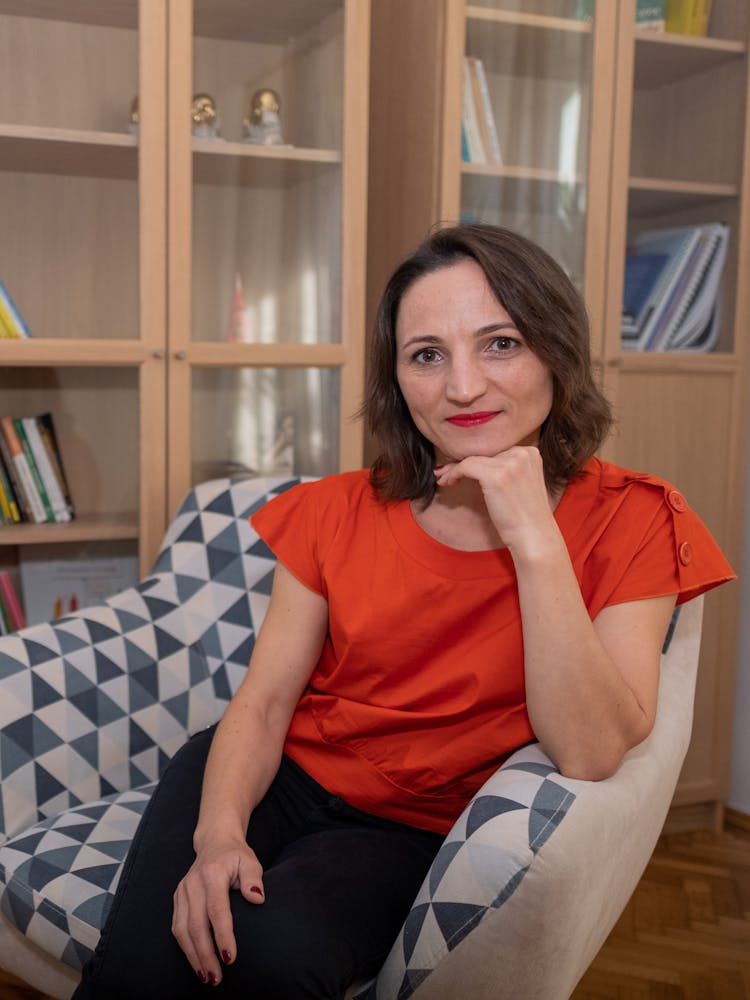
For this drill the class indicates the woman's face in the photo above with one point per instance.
(472, 385)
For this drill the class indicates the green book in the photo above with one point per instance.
(36, 475)
(650, 14)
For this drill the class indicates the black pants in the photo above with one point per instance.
(338, 885)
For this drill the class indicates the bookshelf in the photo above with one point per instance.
(126, 246)
(606, 130)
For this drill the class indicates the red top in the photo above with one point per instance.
(418, 695)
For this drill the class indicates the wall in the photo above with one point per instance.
(739, 788)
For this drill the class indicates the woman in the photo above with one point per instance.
(488, 582)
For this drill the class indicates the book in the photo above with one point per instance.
(48, 435)
(52, 485)
(13, 611)
(8, 502)
(649, 14)
(485, 113)
(23, 484)
(52, 586)
(470, 121)
(674, 303)
(10, 316)
(687, 17)
(41, 490)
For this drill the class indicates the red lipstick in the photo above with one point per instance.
(472, 419)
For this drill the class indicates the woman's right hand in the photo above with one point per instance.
(201, 917)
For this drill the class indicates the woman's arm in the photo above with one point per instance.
(244, 758)
(591, 688)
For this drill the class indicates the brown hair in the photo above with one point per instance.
(549, 313)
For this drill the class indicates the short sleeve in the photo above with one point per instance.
(289, 525)
(677, 553)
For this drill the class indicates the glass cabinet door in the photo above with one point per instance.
(265, 350)
(82, 165)
(534, 126)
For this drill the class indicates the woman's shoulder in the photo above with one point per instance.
(608, 479)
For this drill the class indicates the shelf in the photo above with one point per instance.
(648, 196)
(86, 528)
(69, 152)
(530, 22)
(46, 352)
(537, 175)
(217, 354)
(123, 14)
(665, 58)
(216, 161)
(661, 362)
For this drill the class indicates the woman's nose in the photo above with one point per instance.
(466, 381)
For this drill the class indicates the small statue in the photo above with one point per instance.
(262, 125)
(135, 117)
(205, 117)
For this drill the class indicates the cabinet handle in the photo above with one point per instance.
(159, 353)
(179, 355)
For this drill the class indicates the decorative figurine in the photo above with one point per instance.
(262, 125)
(135, 117)
(205, 117)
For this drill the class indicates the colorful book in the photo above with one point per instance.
(470, 119)
(52, 485)
(41, 489)
(10, 316)
(649, 14)
(24, 481)
(8, 501)
(485, 112)
(48, 435)
(14, 612)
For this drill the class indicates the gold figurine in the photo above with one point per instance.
(135, 116)
(205, 117)
(262, 125)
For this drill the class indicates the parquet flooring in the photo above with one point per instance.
(685, 934)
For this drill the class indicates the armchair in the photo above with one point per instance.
(94, 704)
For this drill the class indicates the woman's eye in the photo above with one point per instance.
(427, 356)
(503, 344)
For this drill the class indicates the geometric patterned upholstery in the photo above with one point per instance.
(482, 862)
(60, 875)
(93, 705)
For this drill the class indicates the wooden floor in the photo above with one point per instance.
(685, 934)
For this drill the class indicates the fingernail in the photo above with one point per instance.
(212, 979)
(256, 889)
(226, 957)
(202, 976)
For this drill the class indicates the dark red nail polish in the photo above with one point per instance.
(226, 957)
(212, 979)
(256, 889)
(202, 976)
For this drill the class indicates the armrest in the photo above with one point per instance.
(97, 702)
(538, 868)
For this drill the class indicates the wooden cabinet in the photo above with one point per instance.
(137, 255)
(604, 130)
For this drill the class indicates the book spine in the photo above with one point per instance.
(25, 481)
(11, 316)
(7, 517)
(10, 495)
(488, 115)
(48, 435)
(14, 611)
(52, 487)
(650, 14)
(23, 509)
(41, 490)
(4, 625)
(471, 123)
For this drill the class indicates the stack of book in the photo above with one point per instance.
(479, 137)
(33, 485)
(12, 324)
(672, 288)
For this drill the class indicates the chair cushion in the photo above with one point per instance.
(58, 878)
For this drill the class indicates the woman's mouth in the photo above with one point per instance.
(472, 419)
